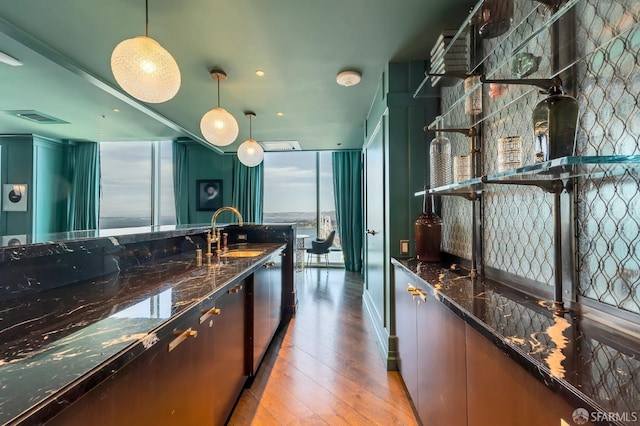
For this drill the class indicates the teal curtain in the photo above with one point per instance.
(347, 190)
(84, 197)
(180, 182)
(248, 190)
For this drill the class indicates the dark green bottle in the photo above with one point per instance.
(555, 120)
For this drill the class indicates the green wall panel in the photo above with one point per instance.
(16, 167)
(204, 163)
(405, 155)
(50, 189)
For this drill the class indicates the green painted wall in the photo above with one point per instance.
(405, 158)
(204, 163)
(51, 188)
(16, 167)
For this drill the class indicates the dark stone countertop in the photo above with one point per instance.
(587, 363)
(53, 339)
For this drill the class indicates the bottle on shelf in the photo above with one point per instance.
(555, 120)
(440, 158)
(428, 232)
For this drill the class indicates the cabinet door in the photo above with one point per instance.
(442, 396)
(228, 361)
(261, 328)
(275, 301)
(501, 392)
(406, 332)
(155, 388)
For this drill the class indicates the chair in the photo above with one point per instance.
(319, 246)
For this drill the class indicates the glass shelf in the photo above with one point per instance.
(593, 167)
(502, 69)
(527, 91)
(470, 188)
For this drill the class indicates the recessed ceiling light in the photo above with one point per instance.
(116, 110)
(279, 113)
(348, 78)
(260, 73)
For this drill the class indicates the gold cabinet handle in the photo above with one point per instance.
(270, 264)
(206, 313)
(235, 289)
(182, 336)
(410, 288)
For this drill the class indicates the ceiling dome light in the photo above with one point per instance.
(250, 153)
(348, 78)
(218, 126)
(144, 69)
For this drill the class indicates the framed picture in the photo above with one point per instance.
(209, 194)
(14, 197)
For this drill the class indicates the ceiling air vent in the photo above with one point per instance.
(35, 117)
(275, 146)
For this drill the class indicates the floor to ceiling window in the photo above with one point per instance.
(136, 184)
(298, 188)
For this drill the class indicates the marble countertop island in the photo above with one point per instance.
(57, 344)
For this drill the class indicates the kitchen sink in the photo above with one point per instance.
(242, 253)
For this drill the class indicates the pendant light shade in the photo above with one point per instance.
(218, 126)
(144, 69)
(250, 153)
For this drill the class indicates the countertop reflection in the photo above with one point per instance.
(53, 338)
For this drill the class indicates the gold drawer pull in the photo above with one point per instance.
(182, 337)
(270, 264)
(410, 288)
(235, 289)
(206, 313)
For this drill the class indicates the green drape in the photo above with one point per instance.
(84, 196)
(248, 190)
(180, 182)
(347, 190)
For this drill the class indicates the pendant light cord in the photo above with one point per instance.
(146, 15)
(218, 91)
(250, 117)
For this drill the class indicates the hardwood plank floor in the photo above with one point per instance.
(324, 368)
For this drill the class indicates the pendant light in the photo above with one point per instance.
(144, 69)
(217, 125)
(250, 153)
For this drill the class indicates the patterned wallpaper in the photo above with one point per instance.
(518, 221)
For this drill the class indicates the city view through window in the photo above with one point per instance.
(298, 188)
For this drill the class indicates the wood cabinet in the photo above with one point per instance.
(501, 392)
(406, 331)
(265, 297)
(431, 353)
(197, 382)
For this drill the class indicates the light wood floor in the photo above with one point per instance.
(324, 368)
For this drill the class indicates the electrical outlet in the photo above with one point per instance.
(242, 237)
(404, 246)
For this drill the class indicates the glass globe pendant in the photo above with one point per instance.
(250, 153)
(218, 126)
(144, 69)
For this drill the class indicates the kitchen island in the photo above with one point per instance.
(167, 323)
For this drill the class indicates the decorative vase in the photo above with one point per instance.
(428, 232)
(440, 159)
(555, 120)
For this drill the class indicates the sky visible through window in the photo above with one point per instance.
(126, 180)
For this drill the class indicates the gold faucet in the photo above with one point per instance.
(216, 239)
